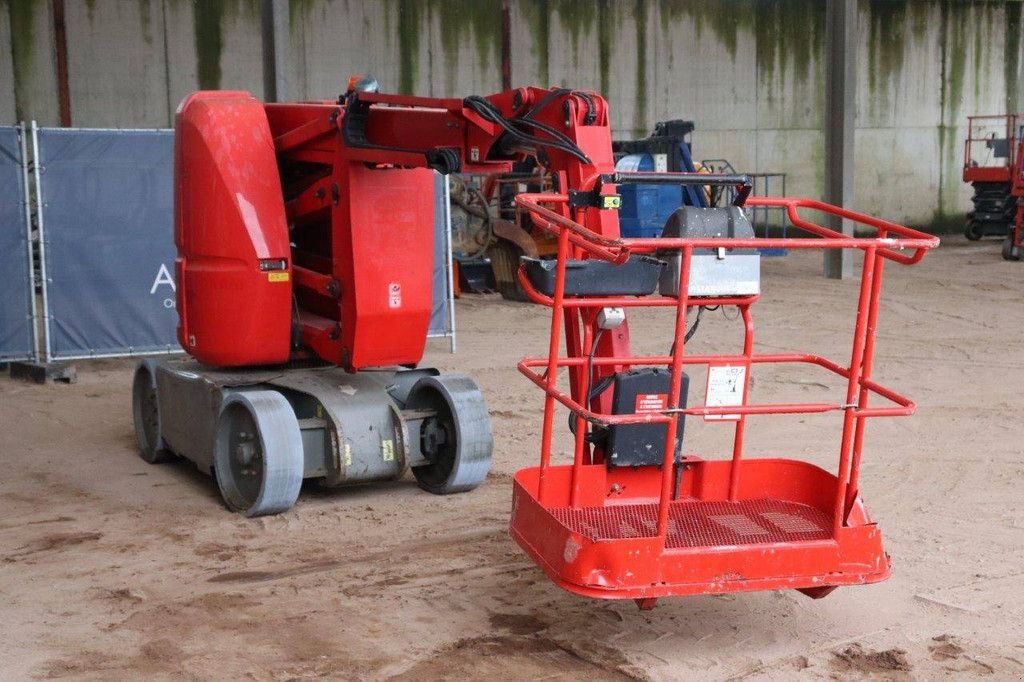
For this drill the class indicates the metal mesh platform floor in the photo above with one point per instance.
(693, 523)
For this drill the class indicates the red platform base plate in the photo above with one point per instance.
(777, 534)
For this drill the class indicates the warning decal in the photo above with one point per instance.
(651, 402)
(394, 295)
(726, 385)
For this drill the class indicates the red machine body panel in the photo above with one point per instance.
(390, 296)
(234, 264)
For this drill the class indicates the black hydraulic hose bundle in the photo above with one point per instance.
(513, 127)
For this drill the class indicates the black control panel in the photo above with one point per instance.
(639, 391)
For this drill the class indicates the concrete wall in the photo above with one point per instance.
(749, 72)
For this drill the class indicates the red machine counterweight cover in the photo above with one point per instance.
(386, 316)
(234, 266)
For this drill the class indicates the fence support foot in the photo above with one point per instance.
(39, 372)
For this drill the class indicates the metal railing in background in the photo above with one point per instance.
(767, 221)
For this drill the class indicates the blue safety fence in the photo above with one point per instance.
(17, 309)
(107, 241)
(107, 244)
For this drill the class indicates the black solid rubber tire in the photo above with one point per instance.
(1011, 252)
(275, 438)
(973, 231)
(146, 416)
(464, 462)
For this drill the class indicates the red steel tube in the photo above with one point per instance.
(552, 374)
(668, 458)
(581, 425)
(617, 250)
(741, 423)
(864, 306)
(862, 400)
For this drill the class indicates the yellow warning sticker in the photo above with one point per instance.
(348, 454)
(277, 277)
(387, 450)
(611, 201)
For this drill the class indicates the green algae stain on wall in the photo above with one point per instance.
(460, 22)
(207, 21)
(895, 29)
(538, 14)
(726, 20)
(606, 25)
(955, 23)
(790, 35)
(299, 11)
(1013, 28)
(146, 21)
(410, 20)
(474, 22)
(640, 122)
(887, 20)
(21, 15)
(577, 18)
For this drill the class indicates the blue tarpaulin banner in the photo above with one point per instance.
(107, 224)
(109, 243)
(16, 335)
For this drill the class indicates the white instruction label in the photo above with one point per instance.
(725, 389)
(394, 295)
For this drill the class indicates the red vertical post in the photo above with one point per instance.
(869, 358)
(581, 423)
(551, 378)
(853, 387)
(741, 423)
(668, 459)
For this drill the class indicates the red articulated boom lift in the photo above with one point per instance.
(304, 235)
(994, 165)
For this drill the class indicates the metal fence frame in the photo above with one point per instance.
(41, 232)
(29, 252)
(31, 354)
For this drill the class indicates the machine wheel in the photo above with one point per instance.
(457, 440)
(146, 416)
(258, 459)
(974, 230)
(1011, 252)
(505, 264)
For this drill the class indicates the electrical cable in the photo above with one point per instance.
(589, 390)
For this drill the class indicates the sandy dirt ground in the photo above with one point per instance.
(111, 568)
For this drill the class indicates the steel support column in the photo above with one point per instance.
(840, 111)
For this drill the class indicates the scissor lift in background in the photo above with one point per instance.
(688, 525)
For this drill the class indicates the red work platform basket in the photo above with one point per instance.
(694, 526)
